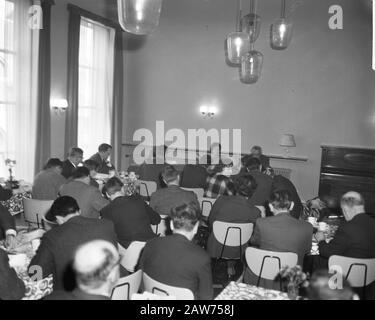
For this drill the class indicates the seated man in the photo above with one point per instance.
(131, 216)
(281, 233)
(6, 192)
(163, 200)
(89, 198)
(176, 261)
(194, 176)
(257, 152)
(7, 227)
(93, 167)
(11, 287)
(96, 269)
(75, 157)
(101, 157)
(48, 182)
(58, 245)
(281, 183)
(219, 182)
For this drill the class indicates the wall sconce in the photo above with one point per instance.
(208, 111)
(59, 105)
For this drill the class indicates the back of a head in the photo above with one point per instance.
(75, 152)
(80, 172)
(91, 165)
(104, 147)
(185, 217)
(113, 185)
(281, 200)
(53, 163)
(253, 163)
(62, 207)
(321, 288)
(245, 186)
(169, 174)
(94, 262)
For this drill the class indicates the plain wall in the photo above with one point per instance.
(320, 89)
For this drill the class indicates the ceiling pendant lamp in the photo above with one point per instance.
(251, 66)
(139, 17)
(251, 22)
(238, 43)
(281, 30)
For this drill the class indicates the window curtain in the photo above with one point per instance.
(43, 134)
(96, 65)
(71, 125)
(19, 87)
(118, 100)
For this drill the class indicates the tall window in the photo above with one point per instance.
(96, 55)
(18, 83)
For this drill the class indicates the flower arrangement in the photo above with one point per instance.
(130, 182)
(292, 279)
(10, 164)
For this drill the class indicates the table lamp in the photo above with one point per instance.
(287, 141)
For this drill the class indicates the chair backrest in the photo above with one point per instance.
(48, 225)
(35, 210)
(232, 234)
(127, 286)
(130, 256)
(206, 206)
(198, 191)
(267, 264)
(147, 188)
(162, 227)
(359, 272)
(262, 210)
(162, 289)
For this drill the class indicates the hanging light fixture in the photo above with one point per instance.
(139, 16)
(251, 66)
(251, 22)
(238, 43)
(281, 30)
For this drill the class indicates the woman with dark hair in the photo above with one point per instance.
(233, 209)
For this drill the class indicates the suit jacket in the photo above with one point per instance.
(355, 239)
(263, 191)
(47, 184)
(11, 287)
(103, 167)
(233, 209)
(176, 261)
(76, 294)
(5, 194)
(67, 169)
(6, 221)
(132, 219)
(282, 183)
(89, 198)
(194, 176)
(163, 200)
(56, 251)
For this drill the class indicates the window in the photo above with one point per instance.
(96, 54)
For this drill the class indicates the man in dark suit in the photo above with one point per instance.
(58, 245)
(75, 157)
(164, 200)
(281, 233)
(282, 183)
(257, 152)
(11, 287)
(194, 176)
(7, 227)
(176, 261)
(101, 157)
(96, 269)
(131, 216)
(5, 193)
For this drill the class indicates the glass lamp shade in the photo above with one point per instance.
(251, 67)
(238, 43)
(281, 34)
(139, 16)
(251, 25)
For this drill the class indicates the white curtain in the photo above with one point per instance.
(18, 87)
(96, 60)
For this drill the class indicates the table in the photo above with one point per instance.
(242, 291)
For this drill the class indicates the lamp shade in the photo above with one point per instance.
(139, 16)
(251, 67)
(251, 25)
(281, 34)
(238, 43)
(287, 140)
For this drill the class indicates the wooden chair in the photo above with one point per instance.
(130, 256)
(127, 286)
(198, 191)
(35, 210)
(147, 188)
(162, 227)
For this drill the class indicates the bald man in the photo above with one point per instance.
(96, 267)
